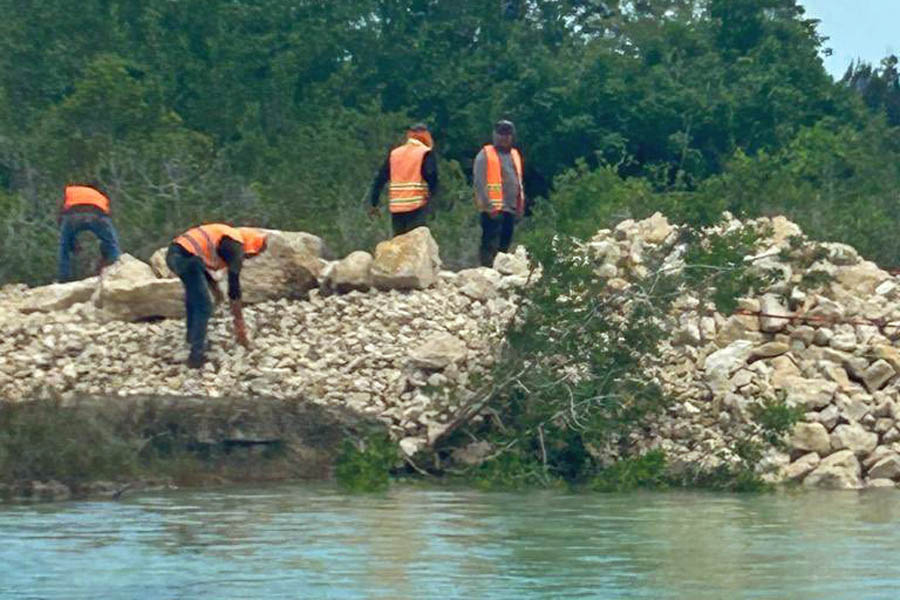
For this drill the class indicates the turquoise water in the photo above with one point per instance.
(313, 542)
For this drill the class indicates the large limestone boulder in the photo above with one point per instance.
(289, 267)
(857, 280)
(58, 296)
(886, 468)
(408, 261)
(159, 266)
(878, 374)
(719, 365)
(801, 467)
(353, 272)
(438, 351)
(811, 437)
(144, 299)
(855, 438)
(840, 471)
(812, 394)
(130, 291)
(655, 229)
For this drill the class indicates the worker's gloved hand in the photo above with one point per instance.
(240, 327)
(240, 333)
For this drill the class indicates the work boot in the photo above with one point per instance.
(195, 360)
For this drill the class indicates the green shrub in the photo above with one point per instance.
(776, 417)
(646, 471)
(365, 465)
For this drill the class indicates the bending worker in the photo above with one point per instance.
(499, 195)
(192, 256)
(412, 171)
(85, 207)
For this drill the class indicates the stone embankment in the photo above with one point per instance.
(819, 337)
(386, 335)
(392, 335)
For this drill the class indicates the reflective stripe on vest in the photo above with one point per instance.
(203, 241)
(82, 195)
(408, 189)
(494, 178)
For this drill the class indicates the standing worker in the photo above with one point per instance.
(192, 256)
(497, 178)
(412, 170)
(85, 207)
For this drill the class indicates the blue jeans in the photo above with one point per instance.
(197, 305)
(74, 223)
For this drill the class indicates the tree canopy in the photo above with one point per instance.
(277, 112)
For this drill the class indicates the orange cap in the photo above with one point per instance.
(254, 240)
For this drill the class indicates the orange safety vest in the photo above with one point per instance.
(494, 179)
(82, 195)
(408, 190)
(203, 241)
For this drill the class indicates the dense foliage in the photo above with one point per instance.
(574, 388)
(277, 113)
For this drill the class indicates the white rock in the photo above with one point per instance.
(801, 467)
(839, 471)
(412, 445)
(811, 437)
(855, 438)
(771, 304)
(438, 351)
(886, 468)
(480, 283)
(719, 365)
(408, 261)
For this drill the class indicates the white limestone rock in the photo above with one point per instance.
(353, 272)
(801, 467)
(770, 304)
(480, 283)
(855, 438)
(886, 468)
(438, 351)
(840, 471)
(811, 437)
(58, 296)
(408, 261)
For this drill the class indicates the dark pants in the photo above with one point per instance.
(496, 235)
(197, 303)
(74, 223)
(406, 222)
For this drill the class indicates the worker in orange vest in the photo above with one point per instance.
(411, 169)
(499, 194)
(192, 256)
(85, 208)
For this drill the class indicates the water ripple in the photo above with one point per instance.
(311, 542)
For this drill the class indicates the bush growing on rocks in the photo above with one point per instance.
(578, 382)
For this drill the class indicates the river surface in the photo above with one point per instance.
(311, 541)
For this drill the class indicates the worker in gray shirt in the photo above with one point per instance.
(497, 178)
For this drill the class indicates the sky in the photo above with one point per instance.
(865, 29)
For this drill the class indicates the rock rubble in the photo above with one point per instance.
(825, 347)
(391, 353)
(393, 336)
